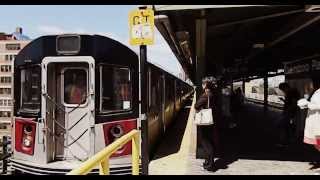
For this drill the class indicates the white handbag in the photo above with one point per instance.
(204, 117)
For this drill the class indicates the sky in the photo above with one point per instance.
(108, 20)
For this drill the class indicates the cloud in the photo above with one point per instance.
(49, 29)
(161, 54)
(45, 29)
(80, 31)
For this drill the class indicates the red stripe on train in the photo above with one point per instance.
(114, 130)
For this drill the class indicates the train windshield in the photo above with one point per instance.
(116, 89)
(30, 89)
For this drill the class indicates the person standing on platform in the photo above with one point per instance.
(208, 133)
(237, 101)
(312, 125)
(226, 106)
(290, 109)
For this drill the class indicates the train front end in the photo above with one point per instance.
(74, 95)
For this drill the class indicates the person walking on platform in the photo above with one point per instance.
(208, 133)
(290, 109)
(237, 101)
(226, 105)
(312, 125)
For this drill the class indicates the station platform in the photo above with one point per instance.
(177, 147)
(250, 148)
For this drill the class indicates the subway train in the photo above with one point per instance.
(75, 94)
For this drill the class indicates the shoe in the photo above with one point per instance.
(209, 164)
(211, 168)
(205, 163)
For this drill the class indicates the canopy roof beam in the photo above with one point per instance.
(213, 27)
(287, 32)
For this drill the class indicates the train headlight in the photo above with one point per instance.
(117, 131)
(27, 136)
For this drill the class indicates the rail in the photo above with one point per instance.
(102, 157)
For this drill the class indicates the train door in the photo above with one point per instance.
(73, 120)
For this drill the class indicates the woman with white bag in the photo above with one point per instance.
(205, 121)
(312, 125)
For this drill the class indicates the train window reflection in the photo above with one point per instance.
(75, 86)
(30, 89)
(116, 89)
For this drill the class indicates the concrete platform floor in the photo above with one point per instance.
(248, 149)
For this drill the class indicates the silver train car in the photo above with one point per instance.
(166, 96)
(76, 94)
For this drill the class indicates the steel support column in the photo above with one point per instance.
(201, 31)
(201, 27)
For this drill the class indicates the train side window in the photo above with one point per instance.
(30, 89)
(116, 89)
(154, 90)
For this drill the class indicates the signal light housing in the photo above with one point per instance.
(25, 132)
(114, 130)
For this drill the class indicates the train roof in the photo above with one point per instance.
(101, 48)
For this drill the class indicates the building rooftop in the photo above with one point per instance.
(20, 37)
(17, 35)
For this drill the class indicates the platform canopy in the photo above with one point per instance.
(238, 40)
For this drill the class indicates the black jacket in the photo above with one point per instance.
(202, 102)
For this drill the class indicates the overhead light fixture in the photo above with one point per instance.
(260, 45)
(312, 8)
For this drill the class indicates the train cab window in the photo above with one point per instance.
(75, 86)
(116, 89)
(30, 89)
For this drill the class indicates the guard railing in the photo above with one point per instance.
(102, 157)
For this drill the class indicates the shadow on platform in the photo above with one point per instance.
(256, 136)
